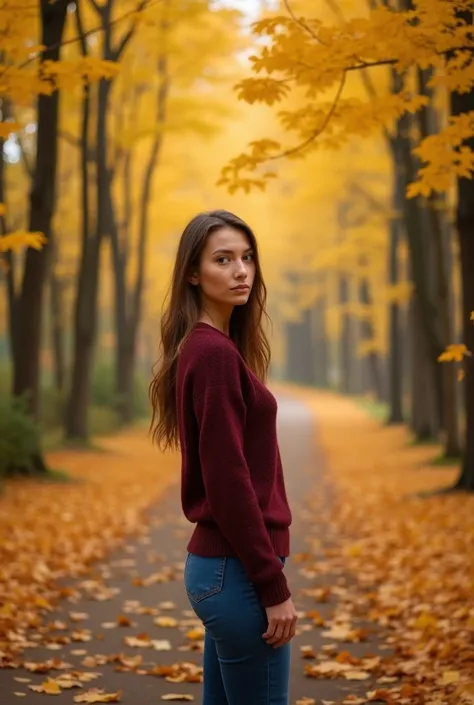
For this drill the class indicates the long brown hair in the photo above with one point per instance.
(182, 308)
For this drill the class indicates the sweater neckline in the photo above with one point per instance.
(216, 330)
(208, 325)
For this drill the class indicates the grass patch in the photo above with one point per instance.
(375, 409)
(423, 442)
(443, 461)
(57, 476)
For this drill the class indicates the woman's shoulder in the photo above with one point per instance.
(210, 351)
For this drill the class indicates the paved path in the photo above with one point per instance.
(160, 556)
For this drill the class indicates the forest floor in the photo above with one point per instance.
(383, 578)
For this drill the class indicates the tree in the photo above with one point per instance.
(307, 56)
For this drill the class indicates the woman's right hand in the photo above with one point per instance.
(281, 623)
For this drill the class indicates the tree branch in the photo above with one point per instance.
(320, 130)
(366, 80)
(90, 32)
(300, 22)
(98, 8)
(142, 5)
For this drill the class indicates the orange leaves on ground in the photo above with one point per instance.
(409, 556)
(51, 531)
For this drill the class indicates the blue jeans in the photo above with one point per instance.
(240, 668)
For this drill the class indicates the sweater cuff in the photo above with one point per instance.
(273, 593)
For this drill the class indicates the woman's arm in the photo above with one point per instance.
(220, 411)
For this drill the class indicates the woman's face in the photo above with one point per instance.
(227, 268)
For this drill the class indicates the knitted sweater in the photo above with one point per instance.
(232, 484)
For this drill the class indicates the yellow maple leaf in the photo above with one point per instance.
(453, 353)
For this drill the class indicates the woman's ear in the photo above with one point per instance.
(194, 279)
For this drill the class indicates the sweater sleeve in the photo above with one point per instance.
(220, 411)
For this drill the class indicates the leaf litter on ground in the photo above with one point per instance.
(409, 559)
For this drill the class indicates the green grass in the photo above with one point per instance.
(375, 409)
(442, 461)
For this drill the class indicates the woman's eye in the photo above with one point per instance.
(222, 260)
(248, 257)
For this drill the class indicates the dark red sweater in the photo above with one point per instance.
(232, 478)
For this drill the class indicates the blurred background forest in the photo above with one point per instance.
(118, 120)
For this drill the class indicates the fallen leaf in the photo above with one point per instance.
(97, 695)
(165, 622)
(178, 696)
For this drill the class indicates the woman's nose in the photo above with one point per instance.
(241, 268)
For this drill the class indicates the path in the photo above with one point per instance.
(99, 646)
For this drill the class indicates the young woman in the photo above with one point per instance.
(210, 401)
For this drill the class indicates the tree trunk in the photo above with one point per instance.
(346, 342)
(367, 331)
(437, 239)
(395, 354)
(85, 323)
(321, 356)
(424, 418)
(464, 103)
(42, 198)
(11, 295)
(129, 307)
(57, 326)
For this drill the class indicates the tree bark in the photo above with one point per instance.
(395, 360)
(11, 294)
(424, 417)
(57, 325)
(27, 346)
(373, 359)
(27, 353)
(300, 368)
(460, 104)
(321, 354)
(437, 239)
(346, 342)
(85, 323)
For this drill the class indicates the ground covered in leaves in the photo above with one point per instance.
(410, 557)
(383, 579)
(54, 530)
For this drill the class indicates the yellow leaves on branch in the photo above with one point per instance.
(446, 157)
(303, 55)
(21, 238)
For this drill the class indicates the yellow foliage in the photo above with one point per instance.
(305, 56)
(454, 353)
(20, 239)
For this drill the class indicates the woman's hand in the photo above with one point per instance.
(281, 623)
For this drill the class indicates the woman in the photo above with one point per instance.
(210, 401)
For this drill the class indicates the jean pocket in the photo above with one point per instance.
(203, 576)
